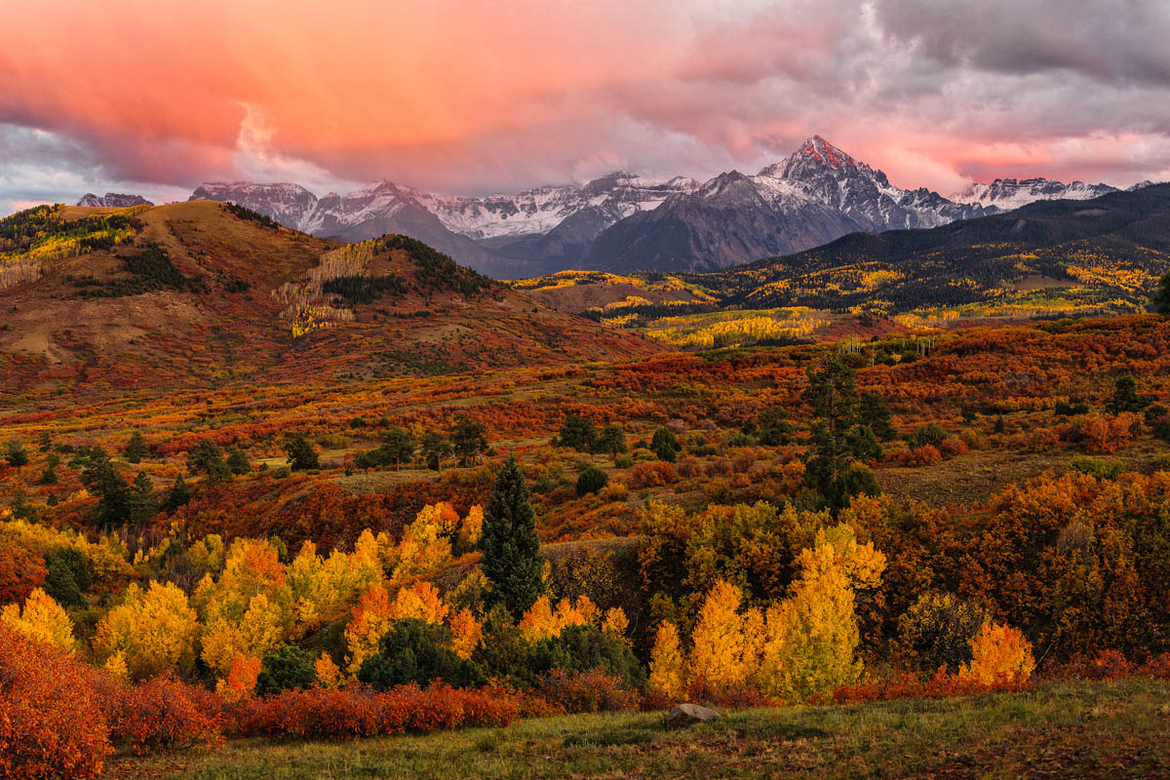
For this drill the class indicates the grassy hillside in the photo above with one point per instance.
(194, 293)
(1066, 730)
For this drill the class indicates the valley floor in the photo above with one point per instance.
(1060, 730)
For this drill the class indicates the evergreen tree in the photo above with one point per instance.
(1161, 297)
(875, 413)
(101, 477)
(577, 433)
(237, 461)
(16, 455)
(665, 445)
(611, 441)
(511, 551)
(300, 452)
(207, 458)
(398, 445)
(136, 449)
(142, 501)
(837, 437)
(179, 495)
(467, 439)
(1126, 398)
(435, 447)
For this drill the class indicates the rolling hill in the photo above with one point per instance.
(200, 292)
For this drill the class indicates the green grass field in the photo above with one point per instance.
(1064, 730)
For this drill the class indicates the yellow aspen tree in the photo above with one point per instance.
(668, 663)
(424, 547)
(812, 636)
(718, 638)
(115, 667)
(42, 619)
(471, 528)
(999, 654)
(616, 623)
(152, 630)
(538, 622)
(862, 564)
(328, 673)
(466, 633)
(421, 600)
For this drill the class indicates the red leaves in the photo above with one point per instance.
(164, 713)
(50, 723)
(354, 712)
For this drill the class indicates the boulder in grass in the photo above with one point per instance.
(685, 714)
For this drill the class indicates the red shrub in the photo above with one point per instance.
(909, 686)
(164, 713)
(356, 712)
(737, 696)
(1107, 665)
(952, 447)
(593, 691)
(21, 571)
(51, 724)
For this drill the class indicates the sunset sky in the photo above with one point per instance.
(473, 96)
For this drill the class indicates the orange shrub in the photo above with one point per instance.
(925, 456)
(653, 474)
(51, 724)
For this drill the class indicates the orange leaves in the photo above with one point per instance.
(376, 612)
(467, 633)
(541, 621)
(241, 678)
(1000, 653)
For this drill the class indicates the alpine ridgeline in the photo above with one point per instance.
(623, 222)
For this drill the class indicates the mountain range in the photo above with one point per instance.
(623, 222)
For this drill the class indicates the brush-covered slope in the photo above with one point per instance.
(1110, 249)
(201, 292)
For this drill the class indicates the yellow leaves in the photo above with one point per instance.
(42, 619)
(149, 631)
(467, 633)
(424, 547)
(323, 589)
(1000, 654)
(668, 662)
(260, 629)
(541, 621)
(616, 623)
(115, 667)
(837, 547)
(472, 527)
(719, 642)
(811, 638)
(735, 327)
(328, 673)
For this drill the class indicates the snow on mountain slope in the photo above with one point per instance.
(539, 210)
(1008, 194)
(289, 204)
(113, 200)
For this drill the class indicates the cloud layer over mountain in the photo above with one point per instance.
(470, 96)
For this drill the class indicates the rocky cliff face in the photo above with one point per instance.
(113, 200)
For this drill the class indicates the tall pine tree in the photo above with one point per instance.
(511, 551)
